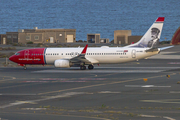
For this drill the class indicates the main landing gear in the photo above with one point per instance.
(83, 67)
(90, 67)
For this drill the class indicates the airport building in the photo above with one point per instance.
(12, 37)
(104, 40)
(133, 39)
(36, 35)
(42, 36)
(121, 36)
(93, 38)
(124, 37)
(3, 39)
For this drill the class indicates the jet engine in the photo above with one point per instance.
(62, 63)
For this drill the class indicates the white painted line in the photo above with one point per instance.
(98, 71)
(16, 94)
(147, 116)
(139, 67)
(34, 108)
(68, 79)
(168, 118)
(153, 116)
(108, 92)
(171, 101)
(144, 86)
(43, 99)
(174, 92)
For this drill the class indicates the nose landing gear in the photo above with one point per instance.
(25, 68)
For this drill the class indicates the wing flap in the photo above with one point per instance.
(92, 60)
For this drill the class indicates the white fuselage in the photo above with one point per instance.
(99, 55)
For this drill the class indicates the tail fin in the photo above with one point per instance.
(152, 36)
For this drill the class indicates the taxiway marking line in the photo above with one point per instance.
(18, 85)
(100, 71)
(100, 85)
(16, 94)
(10, 78)
(76, 116)
(176, 101)
(144, 86)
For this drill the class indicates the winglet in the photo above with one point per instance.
(160, 19)
(84, 50)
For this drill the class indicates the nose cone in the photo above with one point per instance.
(12, 58)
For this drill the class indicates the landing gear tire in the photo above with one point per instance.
(25, 68)
(90, 67)
(83, 67)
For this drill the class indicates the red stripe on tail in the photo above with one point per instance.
(160, 19)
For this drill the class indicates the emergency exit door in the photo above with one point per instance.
(133, 53)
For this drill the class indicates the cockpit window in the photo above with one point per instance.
(17, 53)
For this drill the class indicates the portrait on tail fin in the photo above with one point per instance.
(152, 36)
(155, 40)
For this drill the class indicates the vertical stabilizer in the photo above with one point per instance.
(152, 36)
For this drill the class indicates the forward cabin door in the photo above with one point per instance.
(26, 55)
(133, 53)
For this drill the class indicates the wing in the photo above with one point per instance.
(81, 58)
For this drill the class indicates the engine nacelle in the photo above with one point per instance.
(62, 63)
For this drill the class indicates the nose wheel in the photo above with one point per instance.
(25, 68)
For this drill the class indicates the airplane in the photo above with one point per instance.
(80, 57)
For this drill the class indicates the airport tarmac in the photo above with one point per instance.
(141, 90)
(130, 91)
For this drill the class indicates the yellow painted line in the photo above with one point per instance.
(99, 85)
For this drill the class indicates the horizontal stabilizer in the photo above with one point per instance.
(166, 47)
(157, 49)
